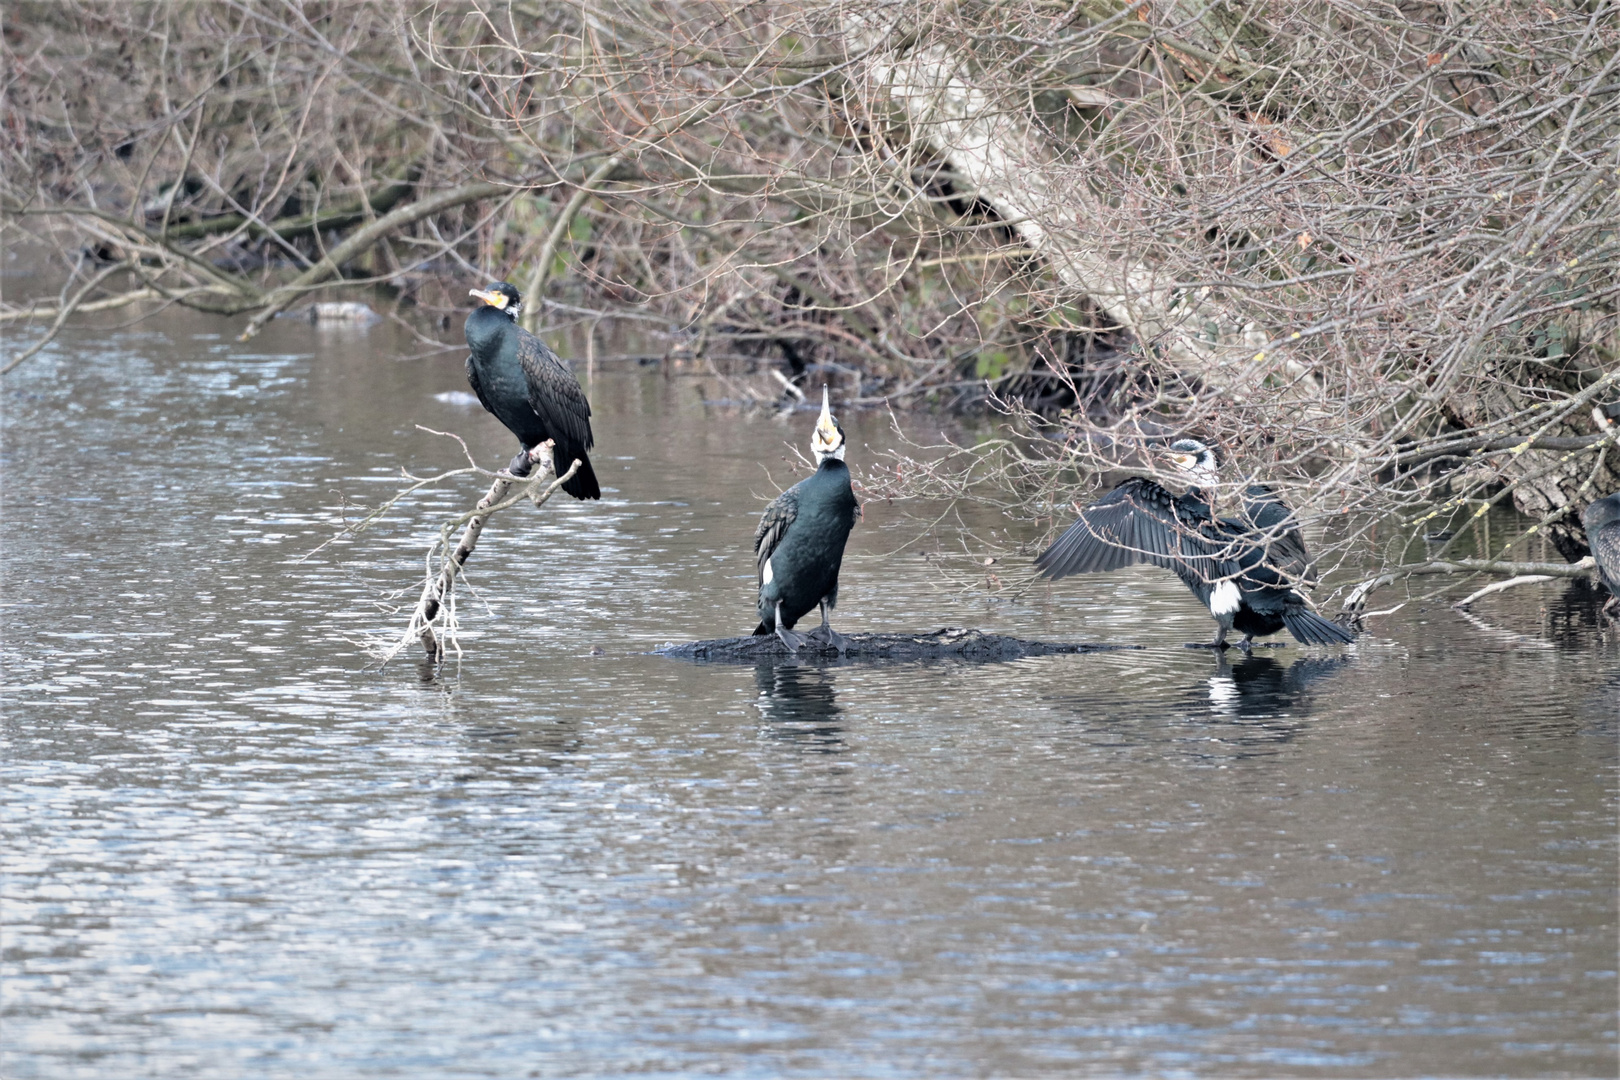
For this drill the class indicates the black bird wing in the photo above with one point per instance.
(1285, 547)
(1605, 544)
(478, 389)
(555, 396)
(773, 525)
(1139, 521)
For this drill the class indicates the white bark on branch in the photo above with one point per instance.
(1013, 169)
(439, 589)
(1542, 571)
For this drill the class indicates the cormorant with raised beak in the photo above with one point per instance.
(527, 388)
(800, 541)
(1602, 522)
(1244, 570)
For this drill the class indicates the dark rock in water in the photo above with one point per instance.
(948, 643)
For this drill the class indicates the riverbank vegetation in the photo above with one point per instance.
(1368, 248)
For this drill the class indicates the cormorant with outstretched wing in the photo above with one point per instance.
(1244, 570)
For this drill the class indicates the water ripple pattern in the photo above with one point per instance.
(232, 848)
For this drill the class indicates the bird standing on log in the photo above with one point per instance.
(526, 387)
(1602, 522)
(1242, 569)
(800, 541)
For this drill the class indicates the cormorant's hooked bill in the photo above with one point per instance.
(828, 438)
(799, 545)
(501, 296)
(525, 386)
(1243, 570)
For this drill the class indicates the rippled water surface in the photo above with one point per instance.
(230, 849)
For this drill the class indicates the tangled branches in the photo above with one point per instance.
(1371, 250)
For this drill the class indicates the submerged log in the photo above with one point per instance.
(947, 643)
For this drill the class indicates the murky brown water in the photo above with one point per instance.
(231, 850)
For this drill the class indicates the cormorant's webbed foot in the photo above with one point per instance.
(1247, 645)
(826, 633)
(521, 464)
(794, 642)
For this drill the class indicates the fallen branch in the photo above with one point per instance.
(1498, 586)
(384, 200)
(110, 303)
(1358, 596)
(438, 590)
(279, 298)
(63, 312)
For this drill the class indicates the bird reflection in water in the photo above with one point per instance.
(1260, 687)
(800, 705)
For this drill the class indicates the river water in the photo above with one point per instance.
(231, 848)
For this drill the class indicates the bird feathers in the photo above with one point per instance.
(1309, 628)
(1139, 521)
(554, 394)
(773, 525)
(1243, 569)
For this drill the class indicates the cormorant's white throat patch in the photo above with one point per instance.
(1226, 599)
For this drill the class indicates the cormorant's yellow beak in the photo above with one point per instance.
(493, 299)
(828, 436)
(1184, 461)
(824, 425)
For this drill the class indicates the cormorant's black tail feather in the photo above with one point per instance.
(582, 485)
(1310, 628)
(763, 631)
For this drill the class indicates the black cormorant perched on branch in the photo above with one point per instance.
(1243, 570)
(800, 540)
(527, 388)
(1602, 522)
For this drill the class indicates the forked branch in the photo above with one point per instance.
(436, 607)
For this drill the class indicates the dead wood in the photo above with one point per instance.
(1524, 573)
(947, 643)
(438, 591)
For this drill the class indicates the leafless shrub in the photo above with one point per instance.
(1367, 248)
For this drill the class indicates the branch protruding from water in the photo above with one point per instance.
(433, 622)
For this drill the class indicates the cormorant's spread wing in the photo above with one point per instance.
(1285, 547)
(477, 387)
(773, 525)
(1139, 521)
(554, 394)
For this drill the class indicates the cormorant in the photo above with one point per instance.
(800, 540)
(527, 388)
(1243, 570)
(1602, 522)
